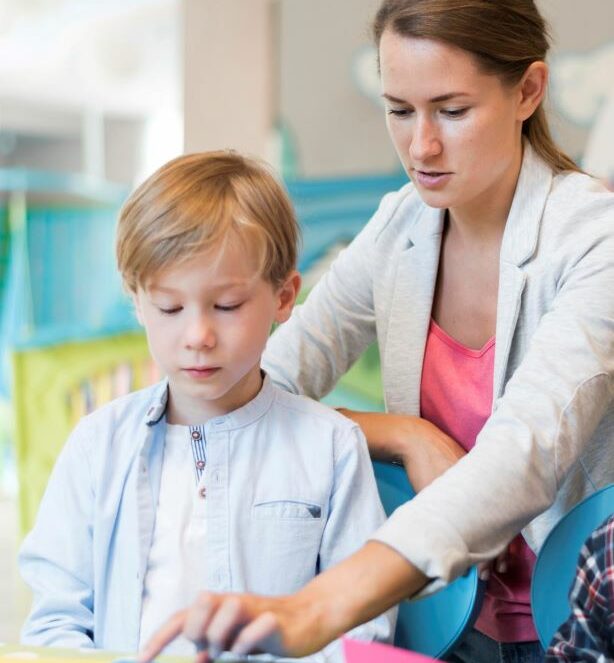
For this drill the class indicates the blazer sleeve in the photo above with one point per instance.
(326, 335)
(560, 392)
(56, 557)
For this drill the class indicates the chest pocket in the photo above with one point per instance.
(286, 510)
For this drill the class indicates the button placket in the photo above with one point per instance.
(198, 442)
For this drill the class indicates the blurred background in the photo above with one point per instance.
(95, 95)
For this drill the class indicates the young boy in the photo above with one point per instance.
(588, 633)
(214, 479)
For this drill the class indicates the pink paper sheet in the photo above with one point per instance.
(374, 652)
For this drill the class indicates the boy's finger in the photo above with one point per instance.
(161, 638)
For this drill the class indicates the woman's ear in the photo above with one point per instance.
(532, 89)
(286, 296)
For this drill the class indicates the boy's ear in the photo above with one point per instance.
(286, 296)
(137, 308)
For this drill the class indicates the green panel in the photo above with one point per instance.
(361, 387)
(53, 387)
(365, 379)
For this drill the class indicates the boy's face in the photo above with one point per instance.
(207, 322)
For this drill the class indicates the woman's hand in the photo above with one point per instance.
(354, 591)
(219, 622)
(429, 452)
(425, 451)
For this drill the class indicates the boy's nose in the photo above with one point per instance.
(200, 334)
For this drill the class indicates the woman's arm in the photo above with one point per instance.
(337, 323)
(352, 592)
(425, 451)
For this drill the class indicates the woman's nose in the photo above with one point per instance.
(425, 141)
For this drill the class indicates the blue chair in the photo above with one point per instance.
(555, 567)
(434, 624)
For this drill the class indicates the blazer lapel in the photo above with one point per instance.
(410, 313)
(518, 246)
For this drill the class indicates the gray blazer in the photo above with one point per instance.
(550, 439)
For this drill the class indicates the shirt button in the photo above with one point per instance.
(200, 464)
(202, 492)
(195, 435)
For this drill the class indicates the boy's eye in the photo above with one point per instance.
(227, 307)
(170, 310)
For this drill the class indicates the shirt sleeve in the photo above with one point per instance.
(56, 557)
(588, 633)
(355, 511)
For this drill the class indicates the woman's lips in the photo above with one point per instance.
(431, 179)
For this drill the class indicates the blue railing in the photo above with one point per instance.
(58, 280)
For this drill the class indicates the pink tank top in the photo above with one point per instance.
(456, 396)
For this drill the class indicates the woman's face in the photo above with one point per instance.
(456, 130)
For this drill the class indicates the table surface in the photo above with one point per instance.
(24, 654)
(10, 653)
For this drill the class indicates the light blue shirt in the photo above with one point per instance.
(290, 493)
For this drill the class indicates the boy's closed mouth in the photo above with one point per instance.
(201, 371)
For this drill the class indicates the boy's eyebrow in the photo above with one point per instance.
(159, 288)
(217, 286)
(434, 100)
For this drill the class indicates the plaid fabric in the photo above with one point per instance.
(588, 633)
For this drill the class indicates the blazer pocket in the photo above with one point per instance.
(287, 510)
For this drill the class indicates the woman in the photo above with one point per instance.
(487, 285)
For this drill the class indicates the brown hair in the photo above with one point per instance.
(200, 202)
(505, 37)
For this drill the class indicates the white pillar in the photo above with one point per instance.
(92, 143)
(229, 72)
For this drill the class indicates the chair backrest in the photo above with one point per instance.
(555, 567)
(434, 624)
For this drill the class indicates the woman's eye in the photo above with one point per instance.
(454, 112)
(399, 112)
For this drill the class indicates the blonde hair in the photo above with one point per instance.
(201, 202)
(504, 36)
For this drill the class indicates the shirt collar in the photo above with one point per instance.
(158, 403)
(242, 416)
